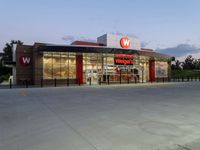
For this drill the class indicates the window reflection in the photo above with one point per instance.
(47, 66)
(59, 65)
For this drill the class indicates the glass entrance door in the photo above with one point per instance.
(92, 68)
(92, 76)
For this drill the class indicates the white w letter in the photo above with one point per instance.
(26, 60)
(126, 42)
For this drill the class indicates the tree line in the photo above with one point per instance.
(189, 63)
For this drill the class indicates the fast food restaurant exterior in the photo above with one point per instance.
(112, 58)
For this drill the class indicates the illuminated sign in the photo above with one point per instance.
(124, 56)
(24, 60)
(123, 59)
(125, 42)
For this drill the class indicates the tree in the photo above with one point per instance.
(7, 56)
(197, 63)
(189, 63)
(177, 65)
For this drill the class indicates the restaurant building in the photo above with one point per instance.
(112, 59)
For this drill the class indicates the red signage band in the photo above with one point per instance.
(124, 56)
(121, 61)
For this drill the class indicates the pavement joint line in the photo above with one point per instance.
(69, 125)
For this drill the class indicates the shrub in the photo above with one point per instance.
(4, 78)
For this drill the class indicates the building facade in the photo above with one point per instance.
(111, 59)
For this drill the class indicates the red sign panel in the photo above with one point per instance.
(125, 42)
(24, 60)
(124, 56)
(123, 59)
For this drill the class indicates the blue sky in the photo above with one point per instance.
(158, 23)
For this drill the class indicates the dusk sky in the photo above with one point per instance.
(158, 23)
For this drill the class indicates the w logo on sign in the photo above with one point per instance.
(24, 60)
(125, 42)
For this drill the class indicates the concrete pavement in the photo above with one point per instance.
(128, 117)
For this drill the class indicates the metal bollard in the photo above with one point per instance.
(55, 84)
(108, 80)
(90, 80)
(10, 84)
(128, 80)
(79, 82)
(26, 83)
(67, 81)
(163, 80)
(99, 81)
(41, 83)
(120, 78)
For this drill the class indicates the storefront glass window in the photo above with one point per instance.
(72, 65)
(59, 65)
(56, 65)
(95, 66)
(161, 69)
(144, 68)
(64, 65)
(48, 65)
(92, 66)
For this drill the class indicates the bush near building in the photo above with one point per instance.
(190, 67)
(185, 73)
(4, 78)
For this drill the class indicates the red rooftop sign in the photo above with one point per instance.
(125, 42)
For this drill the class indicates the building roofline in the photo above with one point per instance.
(97, 49)
(86, 43)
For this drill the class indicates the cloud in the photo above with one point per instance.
(144, 44)
(70, 38)
(180, 50)
(194, 55)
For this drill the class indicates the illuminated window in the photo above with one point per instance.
(47, 66)
(59, 65)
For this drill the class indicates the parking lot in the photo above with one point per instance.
(118, 117)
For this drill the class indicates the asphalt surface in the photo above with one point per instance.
(126, 117)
